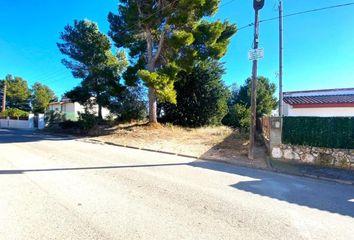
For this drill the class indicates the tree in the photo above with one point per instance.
(240, 102)
(266, 102)
(201, 96)
(42, 95)
(131, 104)
(165, 37)
(17, 94)
(93, 61)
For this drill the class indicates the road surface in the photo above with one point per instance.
(61, 188)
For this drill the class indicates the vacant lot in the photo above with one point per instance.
(217, 143)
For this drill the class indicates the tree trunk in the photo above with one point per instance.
(152, 105)
(100, 111)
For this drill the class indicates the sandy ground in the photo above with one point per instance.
(214, 143)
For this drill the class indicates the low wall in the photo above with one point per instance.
(329, 157)
(18, 124)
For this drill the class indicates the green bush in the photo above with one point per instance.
(201, 97)
(53, 118)
(239, 116)
(14, 113)
(331, 132)
(87, 121)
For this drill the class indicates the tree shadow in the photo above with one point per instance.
(22, 171)
(22, 136)
(234, 149)
(316, 194)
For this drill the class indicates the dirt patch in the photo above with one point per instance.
(215, 143)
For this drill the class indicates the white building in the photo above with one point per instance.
(320, 103)
(71, 109)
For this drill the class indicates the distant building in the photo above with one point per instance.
(321, 103)
(71, 109)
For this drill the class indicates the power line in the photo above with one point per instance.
(299, 13)
(227, 3)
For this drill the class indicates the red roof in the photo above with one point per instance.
(321, 98)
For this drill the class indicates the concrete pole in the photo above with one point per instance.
(280, 58)
(4, 98)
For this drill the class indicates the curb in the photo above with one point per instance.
(269, 168)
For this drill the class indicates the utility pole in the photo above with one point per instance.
(280, 59)
(257, 5)
(4, 98)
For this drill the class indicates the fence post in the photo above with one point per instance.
(41, 122)
(275, 136)
(31, 121)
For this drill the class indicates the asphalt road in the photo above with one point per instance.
(60, 188)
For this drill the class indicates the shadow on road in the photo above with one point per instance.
(315, 194)
(22, 136)
(322, 195)
(21, 171)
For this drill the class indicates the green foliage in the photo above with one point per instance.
(243, 114)
(14, 113)
(266, 102)
(130, 104)
(53, 118)
(169, 42)
(18, 94)
(161, 83)
(330, 132)
(201, 96)
(42, 95)
(240, 101)
(93, 62)
(87, 121)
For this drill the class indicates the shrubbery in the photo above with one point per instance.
(130, 104)
(331, 132)
(87, 121)
(53, 118)
(201, 97)
(14, 113)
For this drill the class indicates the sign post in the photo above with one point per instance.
(257, 5)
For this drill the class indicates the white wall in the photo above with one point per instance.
(18, 124)
(288, 110)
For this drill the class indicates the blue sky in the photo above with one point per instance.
(318, 47)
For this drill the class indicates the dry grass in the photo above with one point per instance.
(219, 143)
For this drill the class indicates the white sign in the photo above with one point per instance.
(255, 54)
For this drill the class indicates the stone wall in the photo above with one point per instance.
(340, 158)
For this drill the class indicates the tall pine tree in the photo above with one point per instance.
(164, 37)
(92, 60)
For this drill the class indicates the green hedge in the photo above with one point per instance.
(330, 132)
(14, 113)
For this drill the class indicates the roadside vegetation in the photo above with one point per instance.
(165, 67)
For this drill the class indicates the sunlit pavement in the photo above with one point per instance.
(60, 188)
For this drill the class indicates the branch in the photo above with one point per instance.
(159, 49)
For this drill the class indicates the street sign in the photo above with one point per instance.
(255, 54)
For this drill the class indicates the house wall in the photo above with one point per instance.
(71, 110)
(288, 110)
(55, 107)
